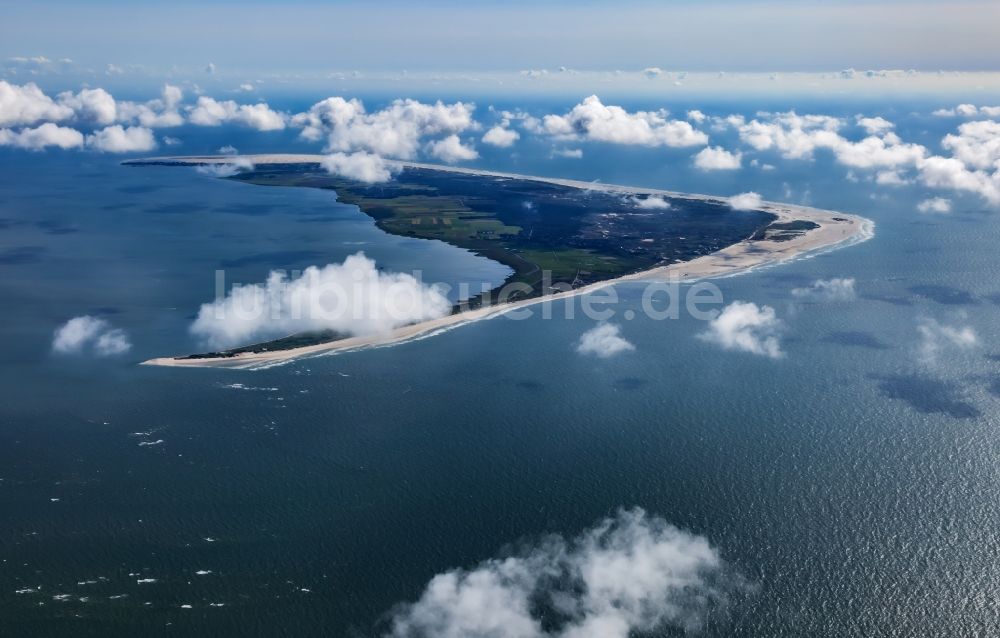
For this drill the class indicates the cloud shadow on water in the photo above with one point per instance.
(630, 383)
(527, 384)
(21, 255)
(896, 301)
(53, 227)
(926, 395)
(171, 209)
(246, 209)
(139, 189)
(947, 295)
(994, 386)
(855, 339)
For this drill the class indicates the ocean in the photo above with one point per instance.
(850, 484)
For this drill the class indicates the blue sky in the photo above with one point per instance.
(492, 36)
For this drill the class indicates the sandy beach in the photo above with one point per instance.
(835, 230)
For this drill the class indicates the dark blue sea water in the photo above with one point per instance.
(852, 483)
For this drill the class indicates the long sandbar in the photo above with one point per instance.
(835, 229)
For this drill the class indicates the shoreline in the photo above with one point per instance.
(835, 230)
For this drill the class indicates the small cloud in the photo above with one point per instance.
(79, 333)
(533, 74)
(891, 178)
(171, 141)
(568, 153)
(501, 137)
(228, 168)
(874, 125)
(603, 340)
(936, 337)
(746, 327)
(112, 342)
(451, 150)
(962, 110)
(827, 290)
(696, 116)
(745, 201)
(716, 158)
(360, 166)
(210, 69)
(651, 202)
(228, 149)
(938, 205)
(652, 72)
(246, 87)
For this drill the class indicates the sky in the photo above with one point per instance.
(712, 35)
(363, 83)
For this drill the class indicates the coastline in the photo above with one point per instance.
(835, 230)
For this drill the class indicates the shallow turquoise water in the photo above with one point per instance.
(852, 483)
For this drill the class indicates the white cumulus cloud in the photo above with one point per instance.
(745, 201)
(592, 120)
(746, 327)
(360, 166)
(37, 138)
(969, 110)
(604, 340)
(28, 104)
(935, 205)
(696, 116)
(501, 136)
(977, 144)
(93, 105)
(799, 136)
(352, 297)
(397, 131)
(208, 111)
(936, 337)
(116, 139)
(874, 125)
(112, 342)
(951, 173)
(716, 158)
(650, 202)
(451, 150)
(228, 168)
(891, 178)
(837, 289)
(158, 113)
(633, 573)
(568, 153)
(86, 332)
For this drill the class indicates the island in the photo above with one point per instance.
(559, 237)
